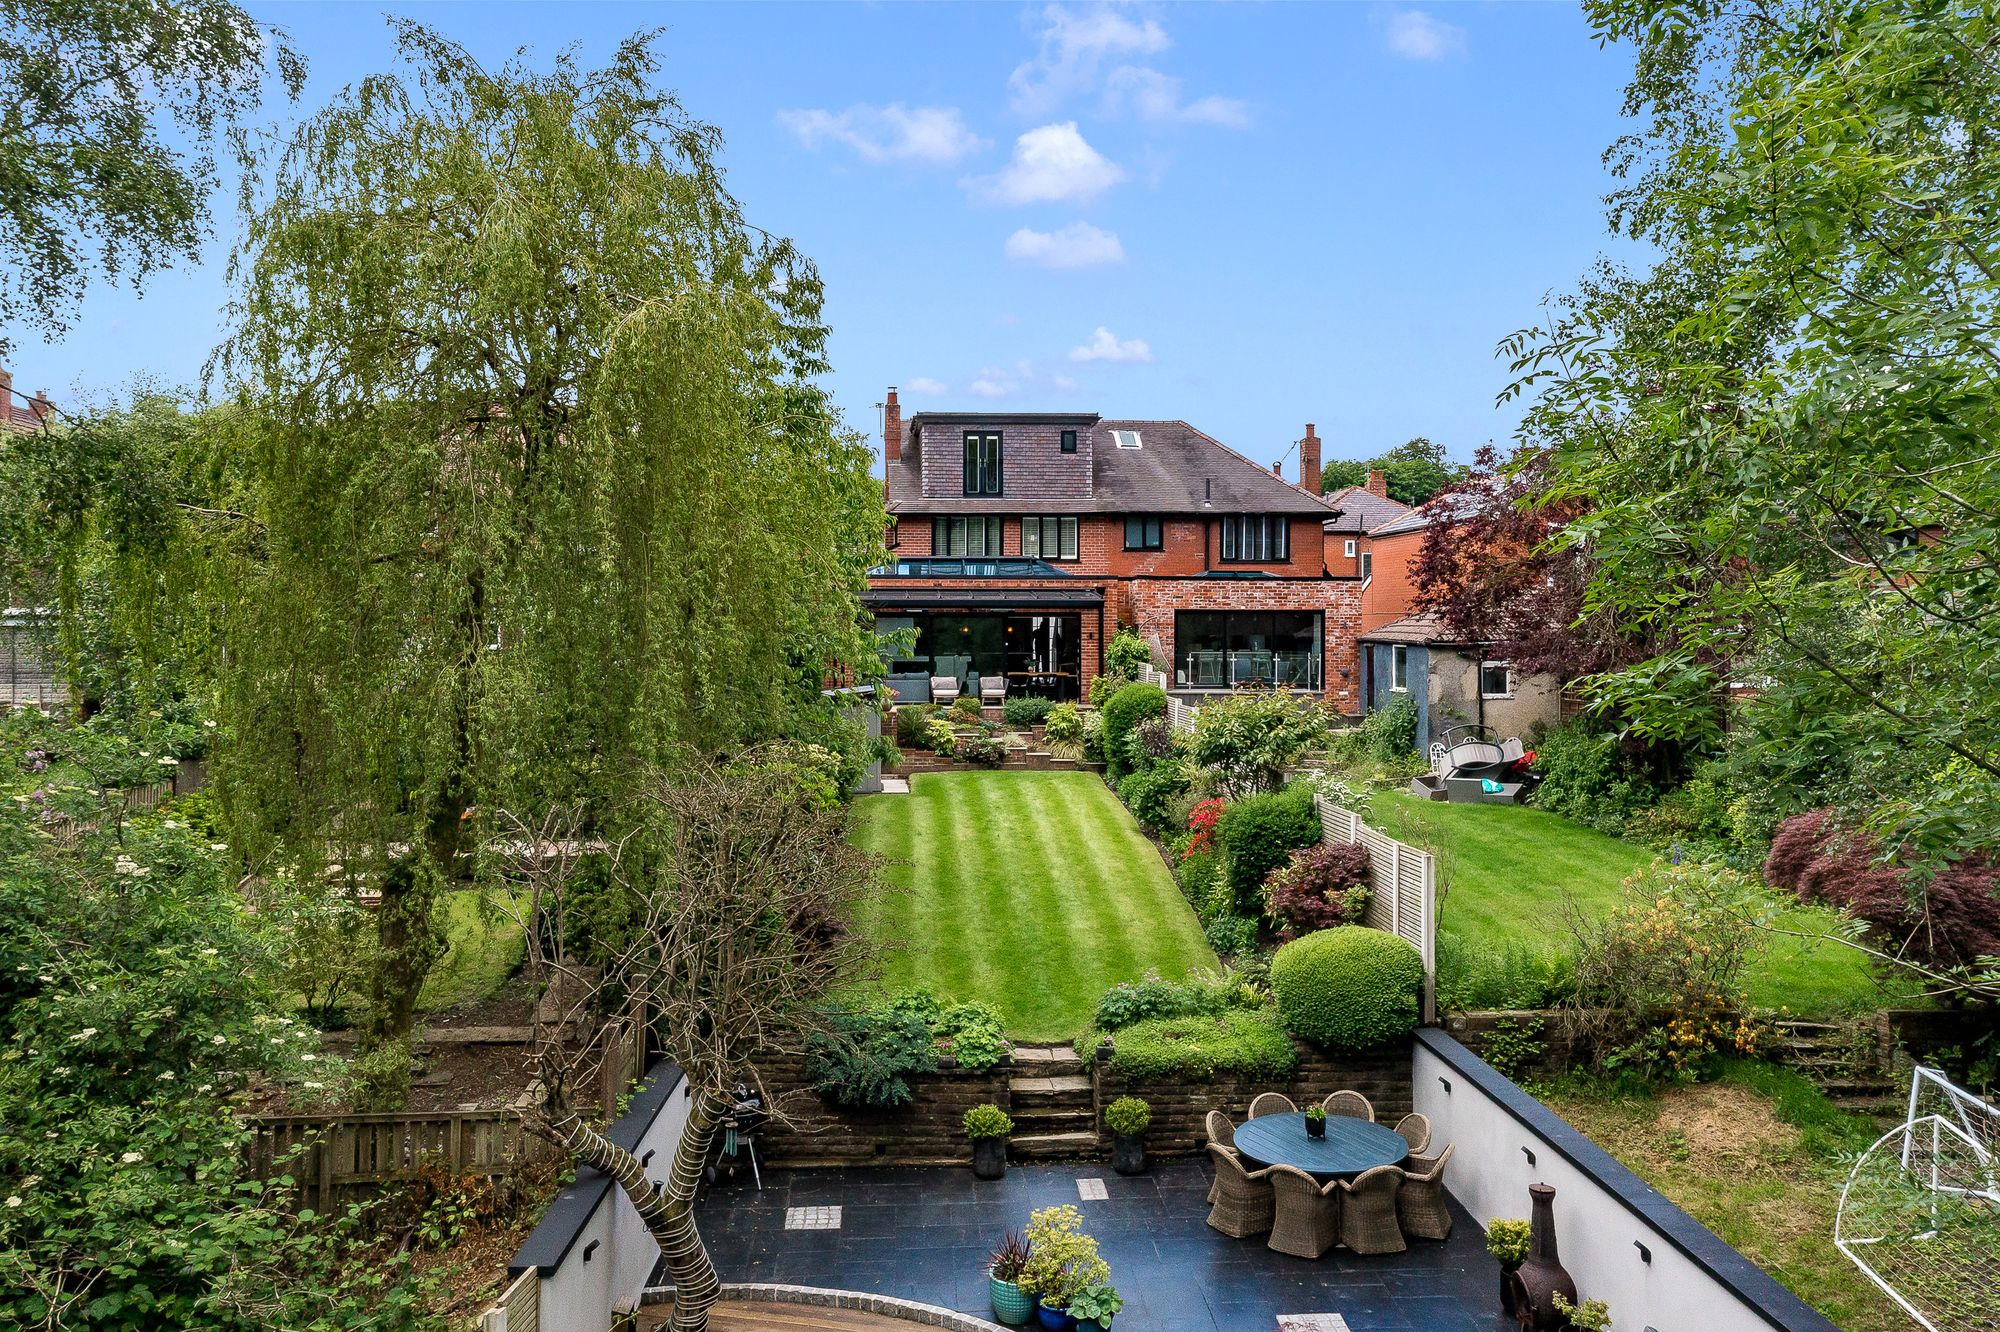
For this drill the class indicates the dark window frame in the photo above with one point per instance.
(1270, 538)
(1068, 533)
(1152, 533)
(985, 471)
(1069, 441)
(993, 534)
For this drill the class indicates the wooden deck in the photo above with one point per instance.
(746, 1316)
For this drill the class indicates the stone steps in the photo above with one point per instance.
(1054, 1119)
(1046, 1093)
(1051, 1146)
(1047, 1061)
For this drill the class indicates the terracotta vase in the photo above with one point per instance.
(1542, 1277)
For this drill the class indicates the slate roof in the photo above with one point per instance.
(1448, 506)
(1176, 469)
(1362, 510)
(1423, 628)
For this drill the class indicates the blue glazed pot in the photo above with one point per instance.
(1056, 1320)
(1010, 1305)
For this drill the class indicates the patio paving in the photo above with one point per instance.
(924, 1233)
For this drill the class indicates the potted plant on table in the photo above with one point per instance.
(1127, 1118)
(1507, 1241)
(1062, 1263)
(988, 1127)
(1094, 1307)
(1011, 1305)
(1315, 1121)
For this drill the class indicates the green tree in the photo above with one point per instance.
(1415, 470)
(543, 481)
(1779, 437)
(90, 178)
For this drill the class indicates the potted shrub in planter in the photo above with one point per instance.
(1011, 1305)
(1507, 1241)
(1127, 1118)
(1062, 1262)
(1094, 1307)
(1315, 1121)
(988, 1127)
(1590, 1316)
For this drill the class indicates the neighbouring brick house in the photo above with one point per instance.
(25, 675)
(1022, 540)
(1406, 652)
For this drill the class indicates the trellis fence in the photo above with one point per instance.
(1403, 887)
(335, 1159)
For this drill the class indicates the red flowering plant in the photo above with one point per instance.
(1201, 826)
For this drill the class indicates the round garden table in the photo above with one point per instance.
(1349, 1147)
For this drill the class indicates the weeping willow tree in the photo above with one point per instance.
(541, 483)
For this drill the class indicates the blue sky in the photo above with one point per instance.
(1247, 216)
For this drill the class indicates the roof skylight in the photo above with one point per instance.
(1125, 439)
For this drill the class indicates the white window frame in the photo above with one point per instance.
(1399, 668)
(1503, 665)
(1367, 567)
(1350, 548)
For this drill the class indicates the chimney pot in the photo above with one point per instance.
(892, 428)
(1277, 470)
(1309, 473)
(41, 405)
(1378, 484)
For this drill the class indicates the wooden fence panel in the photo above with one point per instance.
(518, 1308)
(1402, 895)
(334, 1158)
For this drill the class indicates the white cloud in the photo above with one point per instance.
(1078, 245)
(926, 386)
(1156, 97)
(991, 383)
(1072, 46)
(1104, 345)
(1050, 165)
(1415, 35)
(1065, 383)
(935, 135)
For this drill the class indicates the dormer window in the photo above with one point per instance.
(982, 462)
(1069, 441)
(1125, 439)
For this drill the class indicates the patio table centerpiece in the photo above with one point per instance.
(1315, 1121)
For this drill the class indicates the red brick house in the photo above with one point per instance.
(1023, 540)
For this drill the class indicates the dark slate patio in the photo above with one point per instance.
(924, 1234)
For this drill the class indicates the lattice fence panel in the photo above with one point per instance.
(1403, 888)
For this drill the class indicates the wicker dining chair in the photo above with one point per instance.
(1307, 1220)
(1416, 1130)
(1271, 1103)
(1243, 1202)
(1420, 1206)
(1368, 1211)
(1223, 1133)
(1350, 1103)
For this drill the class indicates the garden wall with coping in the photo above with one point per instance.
(930, 1130)
(1180, 1109)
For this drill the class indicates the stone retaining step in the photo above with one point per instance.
(1051, 1119)
(1048, 1146)
(1046, 1061)
(1046, 1092)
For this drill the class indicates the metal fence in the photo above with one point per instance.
(1403, 888)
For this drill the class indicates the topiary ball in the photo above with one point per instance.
(1349, 987)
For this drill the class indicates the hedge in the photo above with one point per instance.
(1257, 834)
(1237, 1044)
(1124, 710)
(1348, 988)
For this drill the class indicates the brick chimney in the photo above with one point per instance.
(41, 405)
(6, 394)
(1378, 484)
(1278, 470)
(892, 428)
(1309, 460)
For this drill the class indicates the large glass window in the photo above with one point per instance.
(982, 463)
(1142, 534)
(1037, 654)
(974, 538)
(1049, 537)
(1228, 649)
(1256, 538)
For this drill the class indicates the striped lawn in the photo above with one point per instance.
(1031, 891)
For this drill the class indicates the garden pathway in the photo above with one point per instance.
(1053, 1104)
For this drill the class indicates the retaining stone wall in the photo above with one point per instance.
(930, 1130)
(1180, 1110)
